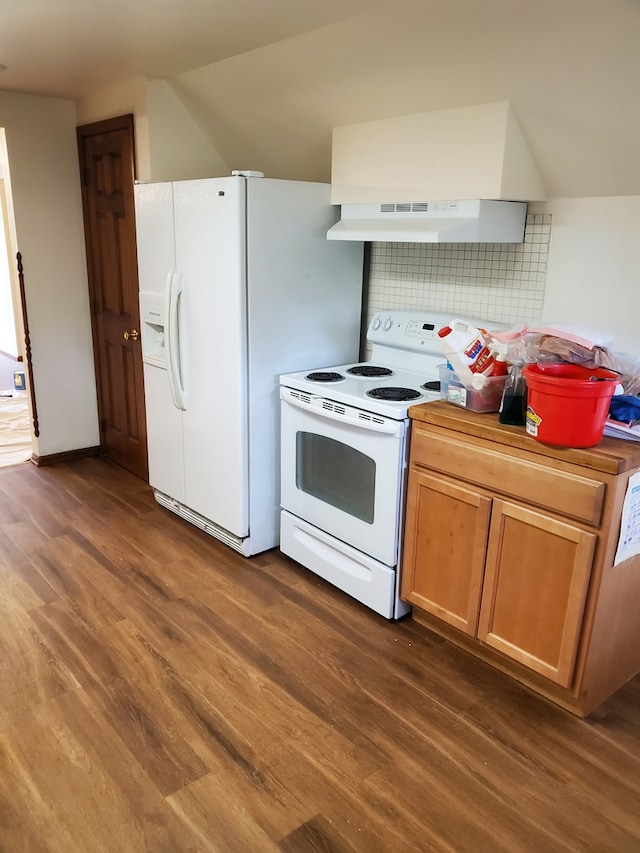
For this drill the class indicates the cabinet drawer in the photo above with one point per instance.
(564, 492)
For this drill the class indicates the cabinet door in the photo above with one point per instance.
(445, 546)
(534, 591)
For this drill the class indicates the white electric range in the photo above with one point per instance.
(344, 448)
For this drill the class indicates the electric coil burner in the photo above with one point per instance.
(396, 394)
(369, 370)
(324, 376)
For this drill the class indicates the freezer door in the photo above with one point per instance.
(210, 257)
(154, 236)
(156, 261)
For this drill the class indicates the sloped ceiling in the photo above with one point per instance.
(570, 70)
(267, 80)
(69, 48)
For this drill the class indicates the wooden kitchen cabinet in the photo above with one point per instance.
(509, 549)
(534, 590)
(445, 547)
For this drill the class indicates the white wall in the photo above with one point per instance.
(169, 143)
(46, 198)
(178, 148)
(128, 99)
(8, 337)
(593, 273)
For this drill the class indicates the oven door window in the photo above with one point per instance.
(337, 474)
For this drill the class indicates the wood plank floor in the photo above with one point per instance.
(159, 692)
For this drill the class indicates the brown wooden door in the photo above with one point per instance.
(447, 526)
(107, 167)
(535, 586)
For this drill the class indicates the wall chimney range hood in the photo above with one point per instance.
(388, 175)
(472, 221)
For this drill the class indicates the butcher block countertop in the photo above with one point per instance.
(611, 455)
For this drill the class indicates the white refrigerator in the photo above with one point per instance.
(238, 284)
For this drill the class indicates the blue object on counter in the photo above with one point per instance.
(624, 408)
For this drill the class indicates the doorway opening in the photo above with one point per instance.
(16, 433)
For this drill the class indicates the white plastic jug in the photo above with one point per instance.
(466, 350)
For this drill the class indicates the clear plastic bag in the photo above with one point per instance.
(549, 349)
(573, 345)
(628, 366)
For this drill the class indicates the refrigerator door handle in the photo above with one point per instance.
(172, 339)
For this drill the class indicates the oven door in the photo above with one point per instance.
(343, 471)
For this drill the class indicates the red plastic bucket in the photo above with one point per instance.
(567, 405)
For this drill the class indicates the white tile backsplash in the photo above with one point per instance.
(491, 281)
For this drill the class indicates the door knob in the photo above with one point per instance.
(133, 335)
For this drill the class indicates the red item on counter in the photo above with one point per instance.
(500, 367)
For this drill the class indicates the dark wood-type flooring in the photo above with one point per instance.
(158, 692)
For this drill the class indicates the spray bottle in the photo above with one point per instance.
(513, 404)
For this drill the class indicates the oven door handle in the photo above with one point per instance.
(386, 427)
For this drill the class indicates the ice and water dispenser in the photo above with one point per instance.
(157, 345)
(153, 313)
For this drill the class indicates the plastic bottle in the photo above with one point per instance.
(513, 403)
(500, 367)
(466, 349)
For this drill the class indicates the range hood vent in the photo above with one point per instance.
(406, 207)
(473, 221)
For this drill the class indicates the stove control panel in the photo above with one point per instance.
(411, 330)
(418, 329)
(414, 330)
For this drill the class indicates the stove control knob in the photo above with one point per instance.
(376, 323)
(388, 324)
